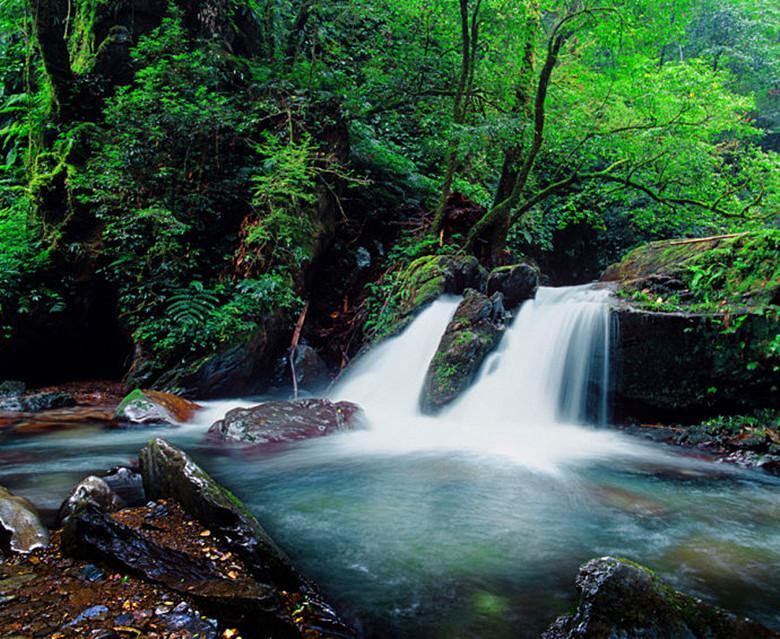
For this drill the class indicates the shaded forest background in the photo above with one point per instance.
(183, 181)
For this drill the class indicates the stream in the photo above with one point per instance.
(472, 523)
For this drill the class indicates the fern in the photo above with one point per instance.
(192, 305)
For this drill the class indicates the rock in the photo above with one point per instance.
(35, 402)
(127, 484)
(92, 534)
(696, 327)
(684, 365)
(517, 283)
(90, 491)
(428, 277)
(425, 279)
(237, 367)
(12, 388)
(169, 473)
(284, 421)
(20, 528)
(473, 333)
(311, 371)
(619, 598)
(184, 619)
(150, 406)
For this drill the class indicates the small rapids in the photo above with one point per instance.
(473, 523)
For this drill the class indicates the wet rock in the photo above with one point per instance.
(20, 528)
(284, 421)
(95, 535)
(90, 491)
(428, 277)
(169, 473)
(12, 388)
(685, 350)
(311, 371)
(685, 364)
(517, 283)
(150, 406)
(92, 573)
(35, 402)
(473, 333)
(619, 598)
(94, 613)
(184, 619)
(127, 484)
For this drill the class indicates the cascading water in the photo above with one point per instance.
(549, 375)
(472, 523)
(552, 364)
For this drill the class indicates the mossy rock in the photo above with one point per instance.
(620, 598)
(680, 365)
(471, 336)
(698, 326)
(742, 269)
(516, 282)
(424, 280)
(169, 473)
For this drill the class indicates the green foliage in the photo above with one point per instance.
(757, 431)
(284, 192)
(386, 297)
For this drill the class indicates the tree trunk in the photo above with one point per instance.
(47, 25)
(462, 97)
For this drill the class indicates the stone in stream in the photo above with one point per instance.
(169, 473)
(36, 402)
(150, 406)
(517, 283)
(471, 336)
(285, 421)
(127, 484)
(90, 491)
(96, 535)
(619, 598)
(21, 529)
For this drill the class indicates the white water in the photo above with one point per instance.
(472, 523)
(528, 403)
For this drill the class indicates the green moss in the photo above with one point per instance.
(730, 271)
(136, 394)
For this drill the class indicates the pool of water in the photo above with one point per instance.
(429, 543)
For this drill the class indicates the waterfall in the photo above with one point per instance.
(552, 364)
(548, 377)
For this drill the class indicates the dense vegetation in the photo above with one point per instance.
(189, 167)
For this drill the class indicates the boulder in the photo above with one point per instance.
(36, 402)
(619, 598)
(127, 484)
(169, 473)
(428, 277)
(90, 491)
(284, 421)
(150, 406)
(425, 279)
(12, 388)
(311, 371)
(237, 367)
(681, 365)
(470, 337)
(517, 283)
(697, 326)
(21, 529)
(95, 535)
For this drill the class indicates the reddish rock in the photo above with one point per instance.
(284, 421)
